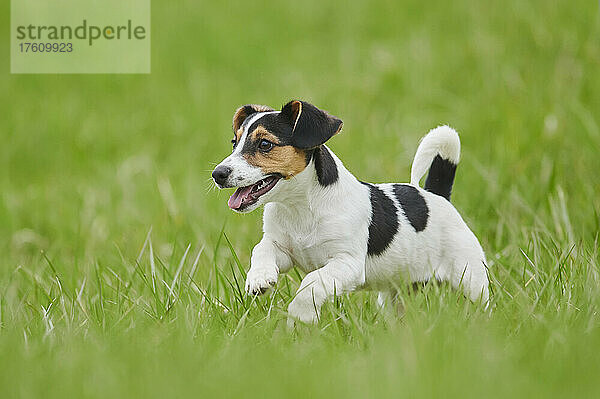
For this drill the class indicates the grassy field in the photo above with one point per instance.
(121, 267)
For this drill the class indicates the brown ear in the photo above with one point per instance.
(311, 126)
(245, 111)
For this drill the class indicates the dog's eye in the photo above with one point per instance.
(233, 143)
(265, 145)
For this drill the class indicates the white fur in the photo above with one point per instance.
(324, 231)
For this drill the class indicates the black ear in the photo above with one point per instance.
(245, 111)
(311, 126)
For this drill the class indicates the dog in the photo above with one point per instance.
(344, 233)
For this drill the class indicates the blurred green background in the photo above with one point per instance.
(90, 163)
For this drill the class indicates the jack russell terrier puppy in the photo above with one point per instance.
(344, 233)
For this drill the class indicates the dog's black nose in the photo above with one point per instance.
(220, 174)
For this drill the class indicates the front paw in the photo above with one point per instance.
(258, 281)
(302, 310)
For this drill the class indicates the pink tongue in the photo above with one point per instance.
(235, 201)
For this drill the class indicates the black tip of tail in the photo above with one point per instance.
(441, 177)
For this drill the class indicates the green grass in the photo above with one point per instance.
(121, 267)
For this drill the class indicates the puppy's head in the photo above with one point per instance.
(270, 147)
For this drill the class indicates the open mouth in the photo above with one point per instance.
(243, 197)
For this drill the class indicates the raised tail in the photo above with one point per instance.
(439, 151)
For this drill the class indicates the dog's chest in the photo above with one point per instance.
(310, 244)
(309, 251)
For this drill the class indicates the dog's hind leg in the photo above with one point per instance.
(470, 276)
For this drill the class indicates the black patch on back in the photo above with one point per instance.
(384, 221)
(413, 204)
(441, 177)
(325, 166)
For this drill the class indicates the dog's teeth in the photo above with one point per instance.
(259, 186)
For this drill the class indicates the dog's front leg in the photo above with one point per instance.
(266, 262)
(339, 275)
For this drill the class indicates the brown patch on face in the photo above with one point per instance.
(244, 111)
(285, 160)
(238, 134)
(260, 133)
